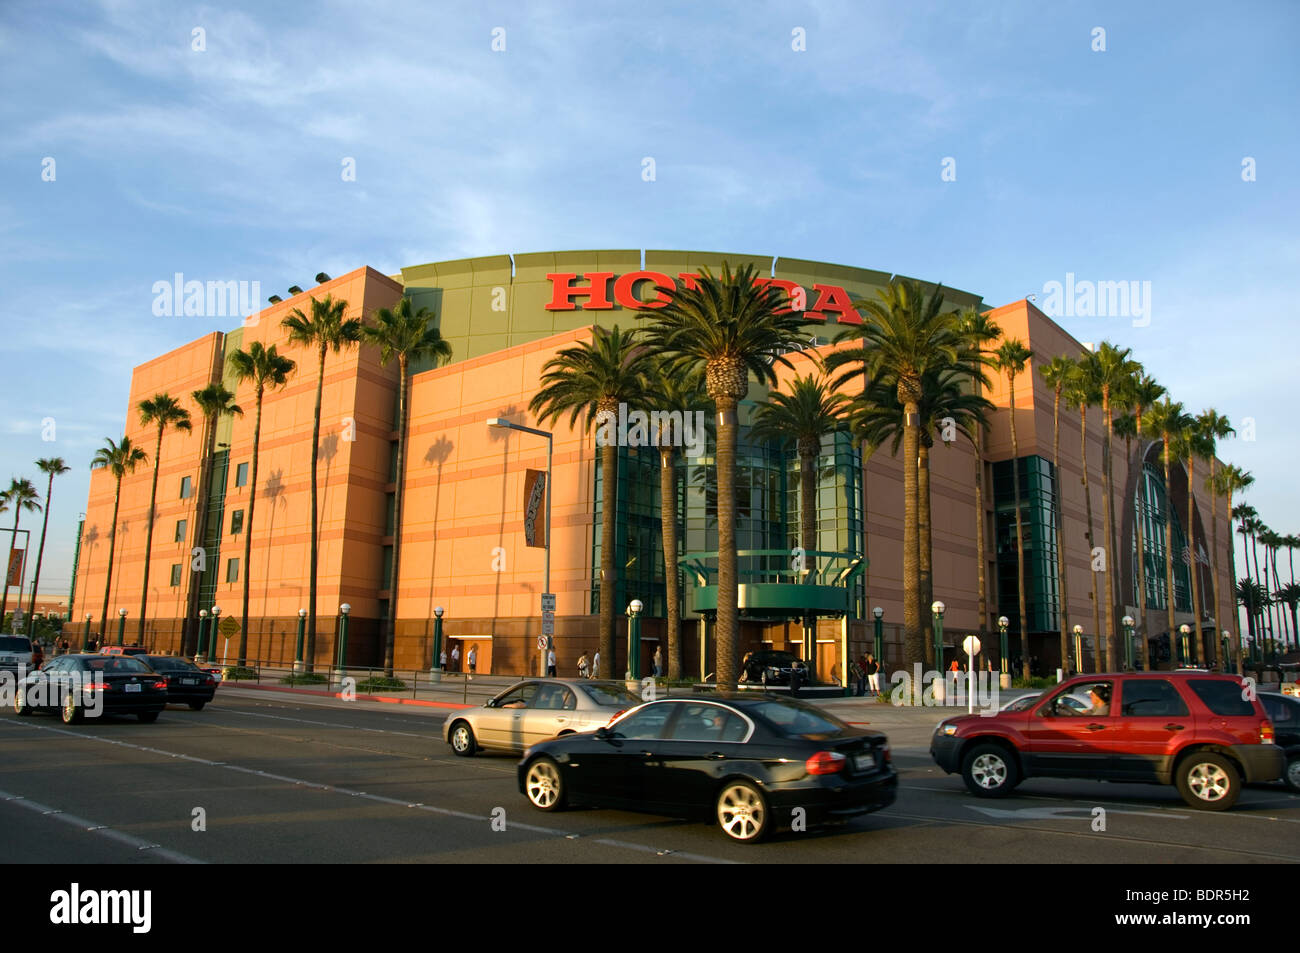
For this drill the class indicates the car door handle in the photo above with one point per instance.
(716, 755)
(1095, 727)
(1172, 727)
(647, 754)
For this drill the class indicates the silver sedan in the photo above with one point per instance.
(534, 711)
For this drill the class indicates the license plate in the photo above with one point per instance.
(132, 688)
(862, 762)
(189, 681)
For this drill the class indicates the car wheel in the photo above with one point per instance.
(1290, 777)
(462, 739)
(990, 771)
(197, 706)
(742, 812)
(71, 710)
(148, 717)
(1208, 781)
(543, 786)
(20, 702)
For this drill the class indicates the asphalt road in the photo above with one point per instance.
(270, 777)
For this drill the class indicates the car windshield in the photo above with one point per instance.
(614, 696)
(1020, 704)
(14, 643)
(117, 665)
(794, 720)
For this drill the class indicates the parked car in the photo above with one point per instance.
(77, 685)
(1198, 731)
(186, 682)
(15, 651)
(123, 650)
(535, 710)
(745, 760)
(772, 667)
(1284, 711)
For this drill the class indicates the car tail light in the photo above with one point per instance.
(825, 762)
(1266, 732)
(888, 756)
(162, 685)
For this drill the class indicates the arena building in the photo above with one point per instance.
(465, 546)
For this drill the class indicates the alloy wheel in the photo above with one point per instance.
(543, 784)
(1208, 781)
(741, 812)
(989, 771)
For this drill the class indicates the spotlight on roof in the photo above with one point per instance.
(321, 278)
(295, 290)
(275, 299)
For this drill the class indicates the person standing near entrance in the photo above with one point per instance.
(595, 665)
(550, 662)
(472, 660)
(873, 673)
(659, 662)
(455, 658)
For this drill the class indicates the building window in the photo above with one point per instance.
(186, 489)
(180, 530)
(241, 474)
(232, 570)
(176, 574)
(236, 522)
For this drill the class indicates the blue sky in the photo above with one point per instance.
(225, 164)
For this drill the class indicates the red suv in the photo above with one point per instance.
(1205, 734)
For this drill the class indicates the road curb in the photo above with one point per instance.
(383, 699)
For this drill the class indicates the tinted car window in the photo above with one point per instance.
(613, 695)
(1154, 697)
(117, 665)
(1281, 710)
(703, 722)
(793, 720)
(1222, 696)
(553, 698)
(169, 663)
(14, 643)
(519, 697)
(647, 722)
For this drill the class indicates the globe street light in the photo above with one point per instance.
(1128, 623)
(202, 653)
(1078, 649)
(121, 625)
(85, 646)
(1185, 630)
(437, 642)
(1003, 622)
(634, 639)
(879, 613)
(936, 610)
(212, 628)
(1227, 651)
(297, 651)
(344, 610)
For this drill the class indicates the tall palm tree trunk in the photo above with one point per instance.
(912, 633)
(108, 579)
(1020, 538)
(248, 533)
(924, 555)
(1064, 615)
(390, 624)
(148, 539)
(608, 516)
(979, 539)
(200, 531)
(1140, 511)
(672, 577)
(808, 453)
(1192, 570)
(315, 520)
(40, 554)
(1169, 545)
(1087, 499)
(1232, 590)
(1219, 617)
(727, 614)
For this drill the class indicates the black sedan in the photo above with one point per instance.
(1284, 712)
(93, 685)
(772, 667)
(186, 682)
(754, 763)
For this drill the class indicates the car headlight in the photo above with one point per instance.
(947, 729)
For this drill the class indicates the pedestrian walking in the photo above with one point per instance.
(595, 665)
(550, 663)
(858, 676)
(658, 662)
(583, 665)
(442, 660)
(472, 660)
(455, 658)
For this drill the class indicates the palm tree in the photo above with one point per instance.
(1232, 479)
(734, 327)
(1113, 369)
(905, 335)
(212, 401)
(1142, 392)
(1271, 541)
(1252, 597)
(1166, 419)
(1011, 360)
(54, 466)
(1249, 524)
(1289, 595)
(1081, 392)
(1056, 374)
(409, 336)
(980, 329)
(1214, 427)
(163, 411)
(591, 379)
(671, 390)
(326, 330)
(1193, 443)
(120, 459)
(265, 367)
(21, 495)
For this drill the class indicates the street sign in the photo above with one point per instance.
(228, 626)
(548, 602)
(971, 645)
(548, 623)
(541, 642)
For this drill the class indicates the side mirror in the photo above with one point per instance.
(490, 703)
(602, 733)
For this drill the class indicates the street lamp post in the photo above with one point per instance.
(1078, 649)
(436, 665)
(1227, 652)
(215, 613)
(201, 654)
(936, 609)
(504, 424)
(1003, 622)
(297, 650)
(344, 610)
(1184, 630)
(85, 645)
(634, 639)
(1128, 623)
(879, 613)
(121, 625)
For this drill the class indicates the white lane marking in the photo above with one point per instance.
(325, 724)
(102, 830)
(1067, 813)
(445, 812)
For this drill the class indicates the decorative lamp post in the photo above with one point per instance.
(634, 639)
(1078, 649)
(121, 625)
(936, 610)
(343, 636)
(1185, 658)
(202, 653)
(1003, 622)
(879, 613)
(437, 642)
(297, 651)
(85, 645)
(212, 633)
(1128, 623)
(1227, 650)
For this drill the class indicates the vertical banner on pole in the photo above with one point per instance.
(15, 575)
(534, 507)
